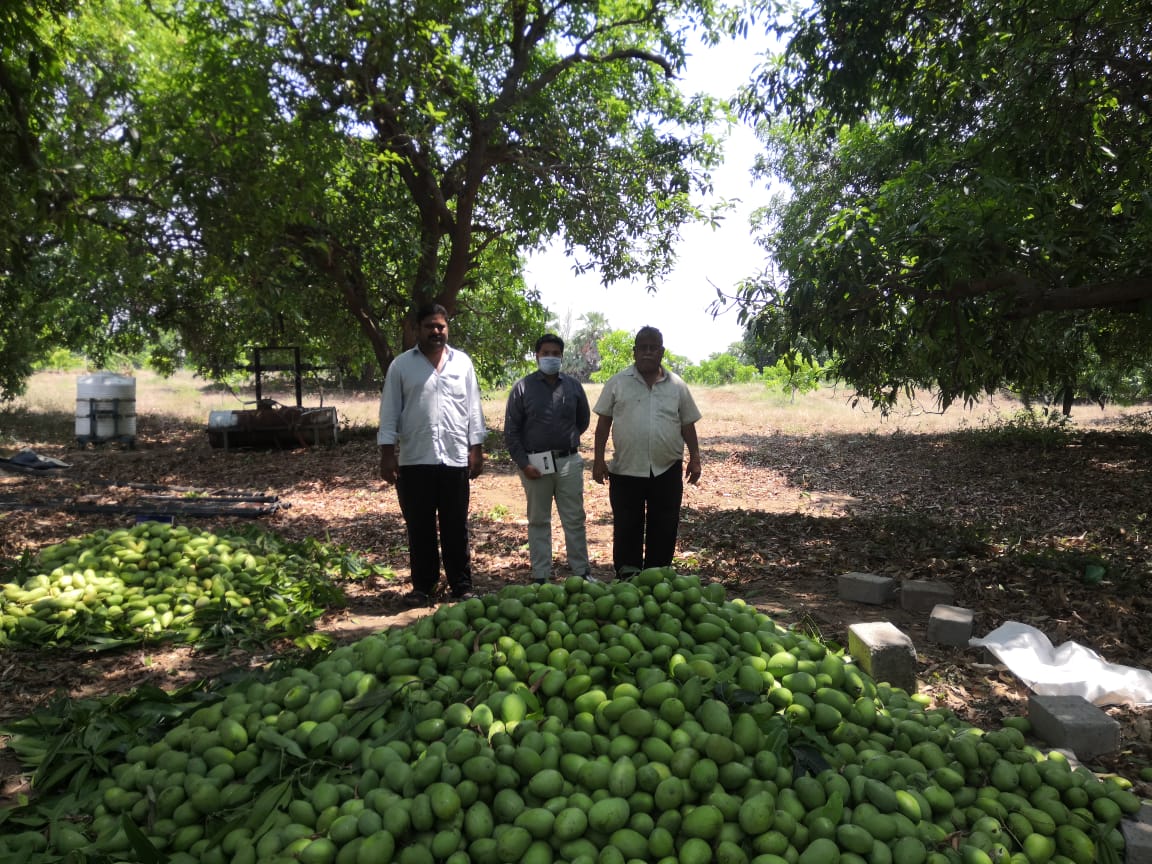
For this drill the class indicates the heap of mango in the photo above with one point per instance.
(157, 580)
(642, 721)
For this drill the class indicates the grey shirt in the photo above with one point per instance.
(542, 416)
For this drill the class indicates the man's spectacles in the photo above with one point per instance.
(647, 349)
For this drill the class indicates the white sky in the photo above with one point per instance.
(707, 259)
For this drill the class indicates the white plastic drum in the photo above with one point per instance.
(221, 419)
(105, 408)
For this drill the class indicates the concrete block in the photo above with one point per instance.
(1137, 833)
(921, 595)
(986, 656)
(950, 625)
(868, 588)
(884, 652)
(1075, 723)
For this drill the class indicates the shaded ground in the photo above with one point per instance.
(1010, 522)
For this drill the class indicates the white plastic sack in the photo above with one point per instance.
(1070, 670)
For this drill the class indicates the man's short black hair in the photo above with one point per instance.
(425, 310)
(650, 332)
(549, 337)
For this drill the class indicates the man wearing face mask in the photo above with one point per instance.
(547, 412)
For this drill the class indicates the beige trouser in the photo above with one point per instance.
(566, 488)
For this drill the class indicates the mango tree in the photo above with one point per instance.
(305, 172)
(967, 202)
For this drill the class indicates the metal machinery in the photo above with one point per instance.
(270, 424)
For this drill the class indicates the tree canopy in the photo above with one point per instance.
(969, 193)
(306, 173)
(33, 194)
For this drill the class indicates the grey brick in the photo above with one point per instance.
(1075, 723)
(950, 625)
(868, 588)
(921, 595)
(1138, 837)
(884, 652)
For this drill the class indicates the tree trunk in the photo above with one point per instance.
(342, 264)
(1069, 395)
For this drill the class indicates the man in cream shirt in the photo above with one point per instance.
(651, 417)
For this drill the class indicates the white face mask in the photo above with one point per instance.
(549, 365)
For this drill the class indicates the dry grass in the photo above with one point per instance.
(50, 402)
(183, 396)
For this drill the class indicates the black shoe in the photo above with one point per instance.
(415, 599)
(464, 592)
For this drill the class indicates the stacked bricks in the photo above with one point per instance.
(947, 624)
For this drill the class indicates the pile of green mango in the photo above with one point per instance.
(642, 721)
(155, 580)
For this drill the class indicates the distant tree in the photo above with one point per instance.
(582, 352)
(794, 375)
(562, 327)
(752, 350)
(721, 369)
(615, 352)
(677, 363)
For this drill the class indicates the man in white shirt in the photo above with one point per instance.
(431, 445)
(651, 417)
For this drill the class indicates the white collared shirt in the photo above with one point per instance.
(432, 416)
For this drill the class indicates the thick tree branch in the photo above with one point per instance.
(27, 145)
(1120, 295)
(1025, 297)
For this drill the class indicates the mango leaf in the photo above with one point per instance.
(146, 852)
(267, 735)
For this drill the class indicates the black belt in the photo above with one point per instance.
(560, 454)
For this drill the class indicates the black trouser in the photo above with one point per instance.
(427, 494)
(645, 518)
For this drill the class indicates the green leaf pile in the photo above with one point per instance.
(641, 721)
(157, 581)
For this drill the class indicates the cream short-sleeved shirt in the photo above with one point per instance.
(646, 421)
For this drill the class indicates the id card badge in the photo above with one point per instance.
(542, 462)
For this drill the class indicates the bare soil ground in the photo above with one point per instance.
(1008, 521)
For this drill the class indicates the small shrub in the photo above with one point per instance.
(801, 376)
(1137, 424)
(62, 360)
(1033, 428)
(357, 430)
